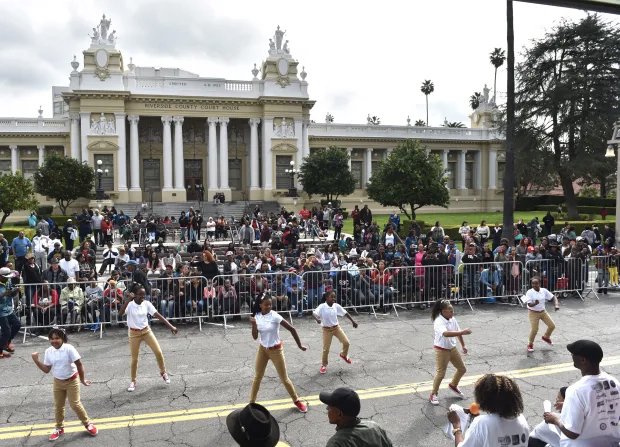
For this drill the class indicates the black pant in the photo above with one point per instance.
(9, 326)
(98, 237)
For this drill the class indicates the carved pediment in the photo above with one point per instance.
(103, 145)
(284, 147)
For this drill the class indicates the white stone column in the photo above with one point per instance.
(349, 152)
(167, 152)
(134, 153)
(444, 159)
(254, 122)
(305, 140)
(212, 157)
(41, 148)
(223, 156)
(14, 158)
(478, 170)
(368, 164)
(75, 135)
(179, 168)
(492, 169)
(461, 174)
(267, 156)
(121, 180)
(84, 130)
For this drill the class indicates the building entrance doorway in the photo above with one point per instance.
(151, 176)
(193, 179)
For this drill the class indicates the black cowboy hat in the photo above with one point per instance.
(253, 426)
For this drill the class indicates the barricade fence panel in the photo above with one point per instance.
(422, 284)
(603, 275)
(491, 280)
(561, 276)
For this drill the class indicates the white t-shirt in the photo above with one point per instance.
(389, 239)
(268, 326)
(71, 267)
(490, 430)
(137, 315)
(62, 360)
(548, 433)
(543, 295)
(592, 409)
(442, 325)
(329, 315)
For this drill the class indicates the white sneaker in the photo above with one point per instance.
(433, 399)
(166, 378)
(131, 387)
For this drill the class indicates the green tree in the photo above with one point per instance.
(454, 124)
(497, 58)
(16, 193)
(375, 120)
(409, 179)
(420, 123)
(427, 88)
(474, 100)
(568, 90)
(65, 180)
(326, 173)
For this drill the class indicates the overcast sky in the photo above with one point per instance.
(362, 57)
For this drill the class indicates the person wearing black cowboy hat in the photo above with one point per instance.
(254, 426)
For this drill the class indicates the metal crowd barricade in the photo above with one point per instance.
(421, 285)
(603, 275)
(240, 298)
(47, 305)
(561, 277)
(489, 281)
(355, 288)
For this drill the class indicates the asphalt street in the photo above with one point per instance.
(212, 370)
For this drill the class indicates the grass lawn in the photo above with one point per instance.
(454, 220)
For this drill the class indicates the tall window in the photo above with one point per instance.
(357, 170)
(234, 175)
(470, 169)
(5, 167)
(107, 162)
(501, 166)
(283, 180)
(29, 167)
(452, 173)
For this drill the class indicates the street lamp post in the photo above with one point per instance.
(292, 191)
(99, 193)
(613, 143)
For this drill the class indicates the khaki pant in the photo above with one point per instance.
(277, 358)
(328, 333)
(442, 358)
(535, 318)
(68, 390)
(146, 336)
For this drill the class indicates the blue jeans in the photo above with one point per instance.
(296, 299)
(167, 307)
(314, 297)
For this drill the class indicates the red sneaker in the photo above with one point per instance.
(346, 359)
(456, 390)
(56, 434)
(302, 407)
(323, 369)
(547, 340)
(530, 347)
(91, 429)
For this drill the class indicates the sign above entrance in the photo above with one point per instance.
(179, 107)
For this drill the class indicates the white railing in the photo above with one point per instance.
(380, 131)
(238, 86)
(34, 125)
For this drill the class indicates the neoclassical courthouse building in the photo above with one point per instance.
(163, 132)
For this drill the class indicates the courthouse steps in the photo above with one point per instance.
(227, 210)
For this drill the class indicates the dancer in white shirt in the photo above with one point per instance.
(266, 323)
(326, 314)
(137, 311)
(447, 331)
(65, 364)
(535, 298)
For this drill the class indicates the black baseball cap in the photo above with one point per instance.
(587, 349)
(345, 399)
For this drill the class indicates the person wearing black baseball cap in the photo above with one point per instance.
(343, 407)
(591, 412)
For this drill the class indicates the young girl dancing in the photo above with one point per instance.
(447, 330)
(63, 360)
(266, 323)
(326, 314)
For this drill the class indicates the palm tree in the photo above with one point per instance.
(420, 123)
(427, 88)
(454, 124)
(474, 100)
(497, 58)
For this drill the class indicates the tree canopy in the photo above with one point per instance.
(568, 89)
(16, 193)
(64, 179)
(409, 179)
(326, 173)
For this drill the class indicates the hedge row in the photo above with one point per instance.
(532, 203)
(596, 210)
